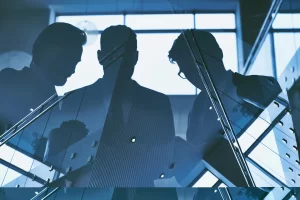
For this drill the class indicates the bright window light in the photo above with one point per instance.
(286, 21)
(215, 21)
(207, 180)
(100, 21)
(160, 21)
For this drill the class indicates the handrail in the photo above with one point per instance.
(34, 119)
(27, 116)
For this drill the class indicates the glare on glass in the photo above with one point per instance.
(286, 21)
(160, 21)
(100, 21)
(207, 180)
(154, 69)
(215, 21)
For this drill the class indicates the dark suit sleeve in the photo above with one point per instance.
(257, 90)
(5, 92)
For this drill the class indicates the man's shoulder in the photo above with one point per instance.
(267, 82)
(256, 89)
(149, 93)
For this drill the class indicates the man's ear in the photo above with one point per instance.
(135, 57)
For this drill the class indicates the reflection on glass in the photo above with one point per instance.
(207, 180)
(215, 21)
(160, 21)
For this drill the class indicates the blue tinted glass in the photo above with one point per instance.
(215, 21)
(158, 22)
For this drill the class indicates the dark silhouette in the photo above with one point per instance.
(55, 54)
(244, 97)
(135, 123)
(136, 144)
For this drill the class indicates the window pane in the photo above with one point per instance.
(154, 70)
(207, 180)
(286, 45)
(165, 21)
(287, 21)
(100, 21)
(87, 72)
(227, 42)
(215, 21)
(263, 63)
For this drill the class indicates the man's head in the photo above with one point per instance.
(57, 50)
(114, 36)
(212, 53)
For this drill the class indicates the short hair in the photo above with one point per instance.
(58, 34)
(114, 36)
(205, 40)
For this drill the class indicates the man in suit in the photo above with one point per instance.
(135, 124)
(55, 54)
(244, 97)
(136, 144)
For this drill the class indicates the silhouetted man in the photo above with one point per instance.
(244, 97)
(135, 123)
(55, 54)
(136, 144)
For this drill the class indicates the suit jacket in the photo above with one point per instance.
(136, 152)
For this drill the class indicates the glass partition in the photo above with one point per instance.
(139, 113)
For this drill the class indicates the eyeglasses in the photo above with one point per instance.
(181, 75)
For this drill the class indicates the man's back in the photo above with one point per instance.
(137, 149)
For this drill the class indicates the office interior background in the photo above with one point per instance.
(267, 46)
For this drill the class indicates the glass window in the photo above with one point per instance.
(207, 180)
(263, 63)
(215, 21)
(87, 72)
(286, 21)
(154, 69)
(160, 21)
(227, 42)
(286, 45)
(266, 155)
(100, 21)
